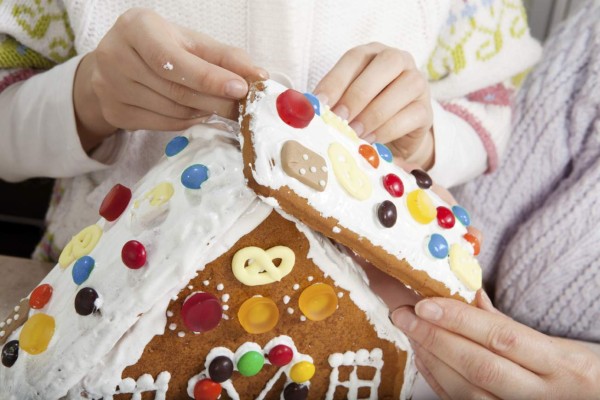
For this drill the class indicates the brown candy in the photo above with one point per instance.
(304, 164)
(17, 317)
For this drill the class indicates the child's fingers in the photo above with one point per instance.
(133, 118)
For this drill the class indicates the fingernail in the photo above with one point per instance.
(358, 127)
(236, 88)
(342, 112)
(370, 138)
(428, 309)
(323, 99)
(262, 73)
(404, 319)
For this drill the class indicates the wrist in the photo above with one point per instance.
(92, 128)
(424, 155)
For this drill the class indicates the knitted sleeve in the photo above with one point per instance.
(483, 51)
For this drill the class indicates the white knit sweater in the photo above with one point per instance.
(466, 47)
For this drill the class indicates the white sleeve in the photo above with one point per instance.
(459, 153)
(39, 132)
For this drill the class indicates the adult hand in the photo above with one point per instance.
(380, 91)
(147, 73)
(469, 352)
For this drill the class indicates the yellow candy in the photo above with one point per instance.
(465, 267)
(349, 175)
(158, 195)
(258, 315)
(80, 245)
(36, 334)
(318, 301)
(302, 371)
(339, 124)
(420, 206)
(260, 269)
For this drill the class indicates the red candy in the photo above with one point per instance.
(280, 355)
(295, 109)
(469, 237)
(393, 184)
(207, 389)
(369, 154)
(445, 217)
(115, 202)
(133, 254)
(201, 312)
(40, 296)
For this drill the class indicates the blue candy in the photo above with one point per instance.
(175, 146)
(384, 152)
(314, 101)
(194, 176)
(82, 269)
(438, 246)
(462, 215)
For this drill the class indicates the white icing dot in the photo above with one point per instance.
(322, 183)
(305, 157)
(169, 314)
(174, 298)
(190, 287)
(310, 278)
(220, 286)
(181, 334)
(225, 316)
(336, 229)
(302, 171)
(225, 298)
(9, 321)
(225, 307)
(206, 283)
(313, 169)
(296, 286)
(2, 333)
(168, 66)
(290, 310)
(173, 327)
(286, 299)
(2, 324)
(302, 318)
(324, 168)
(17, 308)
(340, 294)
(16, 317)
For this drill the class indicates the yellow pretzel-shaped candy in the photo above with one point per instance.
(158, 195)
(339, 124)
(348, 174)
(465, 267)
(80, 245)
(260, 269)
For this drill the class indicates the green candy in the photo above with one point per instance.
(251, 363)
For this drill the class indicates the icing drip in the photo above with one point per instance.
(145, 383)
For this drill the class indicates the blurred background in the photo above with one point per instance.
(23, 205)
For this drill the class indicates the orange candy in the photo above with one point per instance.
(318, 301)
(258, 315)
(369, 154)
(36, 334)
(469, 237)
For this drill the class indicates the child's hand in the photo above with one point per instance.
(147, 73)
(379, 90)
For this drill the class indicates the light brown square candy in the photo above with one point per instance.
(304, 164)
(14, 320)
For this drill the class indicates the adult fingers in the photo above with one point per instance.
(497, 333)
(333, 85)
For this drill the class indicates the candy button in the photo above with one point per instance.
(294, 108)
(206, 389)
(294, 391)
(280, 355)
(315, 102)
(194, 176)
(318, 301)
(251, 363)
(369, 154)
(87, 301)
(80, 245)
(201, 312)
(115, 202)
(423, 179)
(420, 206)
(462, 215)
(133, 254)
(82, 269)
(40, 296)
(158, 195)
(302, 371)
(445, 217)
(258, 315)
(387, 214)
(220, 369)
(384, 152)
(469, 237)
(393, 184)
(354, 181)
(36, 334)
(465, 267)
(438, 246)
(10, 353)
(175, 146)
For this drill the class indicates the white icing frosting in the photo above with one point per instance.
(404, 240)
(362, 358)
